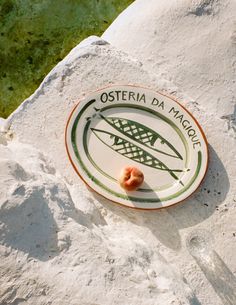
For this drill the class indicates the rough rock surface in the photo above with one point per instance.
(91, 251)
(57, 247)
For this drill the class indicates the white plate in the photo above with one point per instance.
(129, 125)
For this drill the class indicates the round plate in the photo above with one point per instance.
(133, 126)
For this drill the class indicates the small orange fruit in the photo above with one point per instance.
(131, 178)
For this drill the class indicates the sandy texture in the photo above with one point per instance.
(90, 251)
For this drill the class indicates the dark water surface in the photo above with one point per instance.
(36, 34)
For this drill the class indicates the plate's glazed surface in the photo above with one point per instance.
(128, 125)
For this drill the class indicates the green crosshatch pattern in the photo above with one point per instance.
(134, 131)
(137, 154)
(143, 135)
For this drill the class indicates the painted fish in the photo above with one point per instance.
(143, 135)
(133, 152)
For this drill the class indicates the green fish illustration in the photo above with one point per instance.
(143, 135)
(133, 152)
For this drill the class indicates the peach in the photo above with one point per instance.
(131, 178)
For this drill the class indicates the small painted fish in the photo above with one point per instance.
(143, 135)
(133, 152)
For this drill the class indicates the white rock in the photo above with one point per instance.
(2, 122)
(53, 253)
(193, 43)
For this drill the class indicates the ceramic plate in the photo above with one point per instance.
(133, 126)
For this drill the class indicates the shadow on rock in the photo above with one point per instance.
(165, 224)
(28, 224)
(160, 223)
(200, 246)
(62, 197)
(203, 203)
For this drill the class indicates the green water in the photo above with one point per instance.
(36, 34)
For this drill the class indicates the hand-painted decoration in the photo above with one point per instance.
(122, 126)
